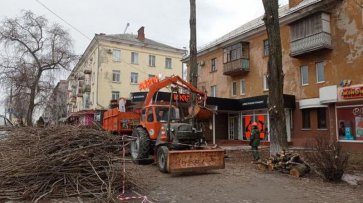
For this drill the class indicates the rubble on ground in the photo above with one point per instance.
(56, 162)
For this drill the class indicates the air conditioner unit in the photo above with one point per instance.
(202, 63)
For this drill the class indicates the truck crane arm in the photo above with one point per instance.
(175, 80)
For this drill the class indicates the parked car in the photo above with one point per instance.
(5, 125)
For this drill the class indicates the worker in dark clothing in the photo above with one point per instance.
(255, 141)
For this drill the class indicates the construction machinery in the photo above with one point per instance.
(165, 136)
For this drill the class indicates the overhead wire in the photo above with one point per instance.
(84, 35)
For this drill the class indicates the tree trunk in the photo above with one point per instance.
(193, 53)
(278, 135)
(29, 115)
(33, 89)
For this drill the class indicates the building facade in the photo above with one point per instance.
(113, 66)
(322, 46)
(56, 108)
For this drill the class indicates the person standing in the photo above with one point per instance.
(121, 104)
(255, 141)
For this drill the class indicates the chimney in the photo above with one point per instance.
(141, 34)
(293, 3)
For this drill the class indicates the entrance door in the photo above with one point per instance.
(231, 128)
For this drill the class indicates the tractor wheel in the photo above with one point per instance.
(163, 158)
(140, 147)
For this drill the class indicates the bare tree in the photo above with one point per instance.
(33, 48)
(275, 78)
(193, 54)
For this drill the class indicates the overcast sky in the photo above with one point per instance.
(165, 21)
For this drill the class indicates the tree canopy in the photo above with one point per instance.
(32, 49)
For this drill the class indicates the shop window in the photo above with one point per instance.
(305, 118)
(321, 118)
(350, 122)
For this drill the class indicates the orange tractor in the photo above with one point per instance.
(163, 134)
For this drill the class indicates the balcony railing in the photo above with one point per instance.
(321, 40)
(236, 67)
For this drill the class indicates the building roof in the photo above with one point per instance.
(255, 24)
(132, 39)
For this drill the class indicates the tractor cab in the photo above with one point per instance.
(153, 117)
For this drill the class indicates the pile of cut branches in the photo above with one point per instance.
(285, 162)
(59, 162)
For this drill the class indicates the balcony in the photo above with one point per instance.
(236, 67)
(318, 41)
(86, 88)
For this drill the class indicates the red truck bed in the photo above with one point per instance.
(120, 122)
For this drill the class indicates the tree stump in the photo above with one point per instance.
(299, 170)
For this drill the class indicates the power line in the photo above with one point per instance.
(63, 20)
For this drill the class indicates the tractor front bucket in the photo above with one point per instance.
(195, 160)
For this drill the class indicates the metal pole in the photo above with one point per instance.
(214, 128)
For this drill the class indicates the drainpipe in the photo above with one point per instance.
(98, 69)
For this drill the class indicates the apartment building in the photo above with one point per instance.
(112, 66)
(322, 46)
(56, 108)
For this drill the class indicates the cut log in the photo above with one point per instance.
(271, 167)
(299, 170)
(262, 166)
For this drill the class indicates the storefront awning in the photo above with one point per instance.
(311, 103)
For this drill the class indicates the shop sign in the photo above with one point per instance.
(148, 82)
(181, 97)
(358, 111)
(352, 92)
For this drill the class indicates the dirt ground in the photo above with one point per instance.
(241, 181)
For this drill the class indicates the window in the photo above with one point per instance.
(116, 55)
(235, 52)
(134, 78)
(168, 63)
(115, 95)
(319, 72)
(321, 117)
(305, 118)
(151, 61)
(304, 72)
(213, 91)
(213, 67)
(115, 76)
(151, 75)
(265, 83)
(306, 27)
(243, 87)
(134, 58)
(266, 47)
(234, 88)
